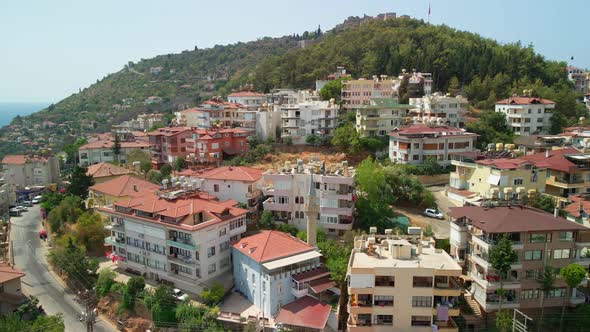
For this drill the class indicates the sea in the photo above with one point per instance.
(9, 110)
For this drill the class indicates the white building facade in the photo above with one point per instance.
(23, 171)
(450, 110)
(308, 118)
(527, 115)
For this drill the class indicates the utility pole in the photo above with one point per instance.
(90, 313)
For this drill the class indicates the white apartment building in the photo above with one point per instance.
(24, 171)
(450, 110)
(579, 78)
(360, 92)
(179, 236)
(101, 150)
(380, 117)
(239, 183)
(417, 143)
(416, 77)
(289, 188)
(401, 283)
(268, 122)
(308, 118)
(248, 99)
(527, 115)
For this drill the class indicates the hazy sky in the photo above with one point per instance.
(49, 49)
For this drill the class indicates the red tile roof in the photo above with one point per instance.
(270, 245)
(14, 159)
(246, 94)
(577, 205)
(8, 273)
(417, 129)
(508, 163)
(511, 219)
(108, 144)
(231, 173)
(305, 312)
(556, 159)
(106, 169)
(124, 186)
(524, 101)
(168, 131)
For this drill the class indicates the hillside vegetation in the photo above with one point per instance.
(461, 62)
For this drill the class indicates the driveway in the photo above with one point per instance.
(30, 256)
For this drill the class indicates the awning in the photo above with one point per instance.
(465, 277)
(494, 179)
(291, 260)
(520, 189)
(507, 190)
(320, 285)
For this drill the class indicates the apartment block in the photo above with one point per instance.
(176, 235)
(401, 283)
(418, 143)
(568, 172)
(268, 122)
(308, 118)
(101, 150)
(168, 143)
(579, 77)
(527, 115)
(577, 136)
(289, 186)
(539, 239)
(539, 143)
(211, 145)
(380, 116)
(360, 92)
(30, 170)
(494, 176)
(11, 295)
(247, 98)
(440, 108)
(142, 122)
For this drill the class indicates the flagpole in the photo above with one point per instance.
(428, 11)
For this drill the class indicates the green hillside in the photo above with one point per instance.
(463, 62)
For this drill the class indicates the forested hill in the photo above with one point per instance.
(484, 69)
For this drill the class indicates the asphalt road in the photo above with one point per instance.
(30, 256)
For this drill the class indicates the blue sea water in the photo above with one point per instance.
(9, 110)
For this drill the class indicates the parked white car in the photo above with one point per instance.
(432, 213)
(180, 295)
(21, 208)
(36, 200)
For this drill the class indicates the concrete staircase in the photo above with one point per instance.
(473, 304)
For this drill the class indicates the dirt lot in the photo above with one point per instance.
(275, 159)
(441, 228)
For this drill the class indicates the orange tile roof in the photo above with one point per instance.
(231, 173)
(8, 273)
(123, 186)
(106, 169)
(579, 204)
(108, 144)
(270, 245)
(14, 159)
(305, 312)
(556, 159)
(168, 131)
(524, 101)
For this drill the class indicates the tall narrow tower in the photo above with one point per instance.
(312, 208)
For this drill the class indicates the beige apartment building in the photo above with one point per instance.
(441, 108)
(380, 116)
(401, 283)
(540, 240)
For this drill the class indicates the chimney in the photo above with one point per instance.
(547, 153)
(555, 212)
(135, 188)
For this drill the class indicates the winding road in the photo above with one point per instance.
(30, 255)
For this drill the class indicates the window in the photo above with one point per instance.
(533, 255)
(385, 281)
(216, 188)
(561, 253)
(383, 320)
(421, 320)
(197, 256)
(283, 200)
(558, 292)
(422, 282)
(518, 182)
(539, 238)
(530, 274)
(566, 236)
(383, 300)
(224, 246)
(529, 294)
(185, 269)
(236, 224)
(215, 146)
(421, 301)
(211, 251)
(212, 268)
(222, 231)
(415, 157)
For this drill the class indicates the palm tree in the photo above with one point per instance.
(547, 284)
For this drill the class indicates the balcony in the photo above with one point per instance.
(566, 183)
(480, 260)
(446, 287)
(344, 211)
(179, 259)
(447, 326)
(115, 241)
(299, 289)
(577, 297)
(115, 227)
(491, 281)
(271, 205)
(182, 243)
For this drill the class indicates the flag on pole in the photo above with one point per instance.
(428, 9)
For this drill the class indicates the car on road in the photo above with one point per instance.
(22, 208)
(179, 295)
(26, 203)
(14, 212)
(432, 213)
(36, 200)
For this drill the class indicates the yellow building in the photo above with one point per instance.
(119, 188)
(477, 177)
(401, 283)
(102, 172)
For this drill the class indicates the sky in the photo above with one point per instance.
(50, 49)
